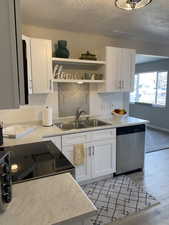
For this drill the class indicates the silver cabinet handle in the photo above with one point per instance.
(90, 151)
(93, 150)
(50, 85)
(30, 86)
(120, 84)
(123, 83)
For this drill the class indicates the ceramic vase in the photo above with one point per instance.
(61, 50)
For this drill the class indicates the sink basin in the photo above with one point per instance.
(71, 126)
(96, 123)
(81, 124)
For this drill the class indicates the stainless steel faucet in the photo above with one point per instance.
(79, 112)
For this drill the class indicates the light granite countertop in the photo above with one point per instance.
(40, 133)
(48, 201)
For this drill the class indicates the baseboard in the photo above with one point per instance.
(95, 179)
(157, 128)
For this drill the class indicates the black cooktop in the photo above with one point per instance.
(36, 160)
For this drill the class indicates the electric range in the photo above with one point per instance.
(37, 160)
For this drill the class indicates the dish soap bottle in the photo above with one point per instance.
(1, 133)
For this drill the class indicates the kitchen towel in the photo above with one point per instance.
(79, 154)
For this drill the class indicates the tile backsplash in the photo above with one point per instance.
(66, 101)
(72, 96)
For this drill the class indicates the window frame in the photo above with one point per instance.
(156, 93)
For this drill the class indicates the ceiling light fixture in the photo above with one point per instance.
(131, 4)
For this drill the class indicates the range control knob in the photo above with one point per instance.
(7, 179)
(7, 198)
(6, 189)
(6, 168)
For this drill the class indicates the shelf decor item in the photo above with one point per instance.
(98, 76)
(57, 72)
(88, 56)
(61, 50)
(131, 4)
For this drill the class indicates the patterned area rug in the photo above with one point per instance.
(116, 198)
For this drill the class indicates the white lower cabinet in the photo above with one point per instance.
(103, 158)
(100, 155)
(82, 172)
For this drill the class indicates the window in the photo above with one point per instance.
(150, 88)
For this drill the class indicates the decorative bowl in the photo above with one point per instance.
(119, 114)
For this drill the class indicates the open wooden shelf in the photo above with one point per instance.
(77, 81)
(77, 62)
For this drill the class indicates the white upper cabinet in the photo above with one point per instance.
(28, 61)
(120, 69)
(41, 65)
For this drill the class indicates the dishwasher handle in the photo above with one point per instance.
(130, 129)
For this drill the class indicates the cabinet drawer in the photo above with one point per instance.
(74, 138)
(103, 134)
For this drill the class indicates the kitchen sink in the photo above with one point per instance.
(81, 124)
(96, 123)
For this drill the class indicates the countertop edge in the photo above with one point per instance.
(41, 133)
(125, 124)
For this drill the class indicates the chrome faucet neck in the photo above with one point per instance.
(79, 111)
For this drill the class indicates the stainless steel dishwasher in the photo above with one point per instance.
(130, 149)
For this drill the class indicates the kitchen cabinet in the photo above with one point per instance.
(68, 142)
(28, 62)
(120, 69)
(82, 172)
(41, 65)
(11, 63)
(103, 156)
(100, 149)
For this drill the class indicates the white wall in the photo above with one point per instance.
(158, 116)
(102, 104)
(24, 114)
(80, 42)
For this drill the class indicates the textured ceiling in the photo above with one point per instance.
(100, 16)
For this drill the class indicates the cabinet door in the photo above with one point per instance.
(82, 172)
(9, 48)
(29, 66)
(103, 158)
(120, 69)
(41, 62)
(113, 69)
(128, 70)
